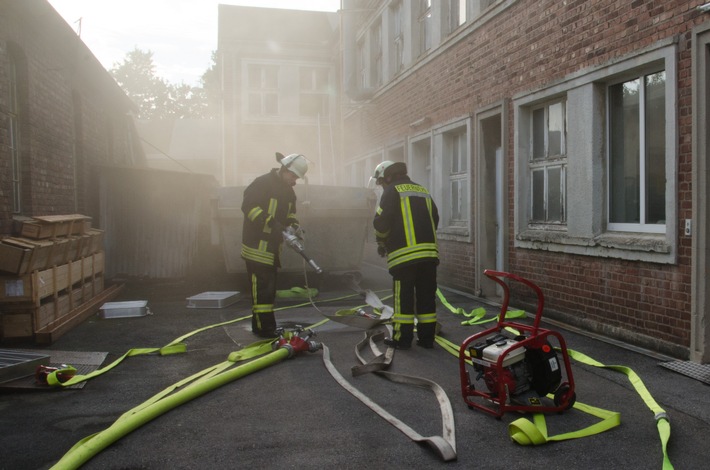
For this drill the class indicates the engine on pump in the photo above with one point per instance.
(516, 366)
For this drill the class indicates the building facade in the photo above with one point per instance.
(279, 89)
(562, 141)
(61, 114)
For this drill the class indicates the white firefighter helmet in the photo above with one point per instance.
(295, 163)
(380, 169)
(387, 168)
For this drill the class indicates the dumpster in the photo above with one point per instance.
(336, 221)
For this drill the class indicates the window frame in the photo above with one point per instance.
(436, 167)
(397, 38)
(376, 54)
(586, 231)
(546, 163)
(262, 91)
(362, 63)
(457, 156)
(455, 15)
(315, 90)
(425, 26)
(642, 226)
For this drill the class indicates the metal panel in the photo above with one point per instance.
(156, 222)
(16, 363)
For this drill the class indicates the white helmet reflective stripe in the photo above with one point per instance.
(296, 164)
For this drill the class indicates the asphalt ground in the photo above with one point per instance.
(293, 414)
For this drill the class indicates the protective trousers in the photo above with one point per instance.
(262, 279)
(414, 292)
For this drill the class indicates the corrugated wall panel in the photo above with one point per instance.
(155, 221)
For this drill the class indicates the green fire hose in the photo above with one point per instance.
(133, 419)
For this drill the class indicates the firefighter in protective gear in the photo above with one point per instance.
(269, 206)
(405, 228)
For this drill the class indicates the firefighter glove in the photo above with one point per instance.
(296, 230)
(276, 225)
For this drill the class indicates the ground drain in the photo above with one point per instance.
(693, 370)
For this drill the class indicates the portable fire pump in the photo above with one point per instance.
(519, 365)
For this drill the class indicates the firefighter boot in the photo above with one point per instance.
(263, 324)
(402, 336)
(425, 335)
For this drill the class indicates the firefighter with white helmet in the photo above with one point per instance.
(405, 228)
(295, 163)
(269, 206)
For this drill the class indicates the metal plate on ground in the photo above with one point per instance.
(213, 299)
(693, 370)
(16, 363)
(131, 308)
(84, 362)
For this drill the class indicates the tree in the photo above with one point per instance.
(211, 86)
(158, 99)
(136, 75)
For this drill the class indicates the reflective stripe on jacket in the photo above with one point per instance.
(267, 197)
(406, 221)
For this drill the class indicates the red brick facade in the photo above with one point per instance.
(529, 45)
(70, 115)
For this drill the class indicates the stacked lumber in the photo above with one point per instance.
(51, 277)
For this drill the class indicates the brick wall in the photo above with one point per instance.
(523, 48)
(65, 95)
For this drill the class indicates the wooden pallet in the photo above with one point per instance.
(53, 331)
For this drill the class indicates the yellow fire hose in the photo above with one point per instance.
(135, 418)
(525, 432)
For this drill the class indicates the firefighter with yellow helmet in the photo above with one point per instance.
(269, 207)
(405, 228)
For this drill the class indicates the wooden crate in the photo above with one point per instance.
(27, 321)
(56, 309)
(16, 325)
(86, 245)
(56, 329)
(38, 285)
(40, 254)
(53, 226)
(15, 257)
(97, 241)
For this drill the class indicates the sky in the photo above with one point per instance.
(181, 34)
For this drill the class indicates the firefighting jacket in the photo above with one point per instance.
(405, 222)
(268, 202)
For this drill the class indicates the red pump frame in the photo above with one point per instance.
(537, 338)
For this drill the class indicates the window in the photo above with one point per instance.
(263, 88)
(548, 164)
(637, 155)
(424, 26)
(14, 131)
(439, 159)
(456, 153)
(397, 37)
(420, 167)
(314, 100)
(376, 55)
(456, 14)
(605, 135)
(362, 64)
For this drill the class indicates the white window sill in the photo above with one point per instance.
(648, 247)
